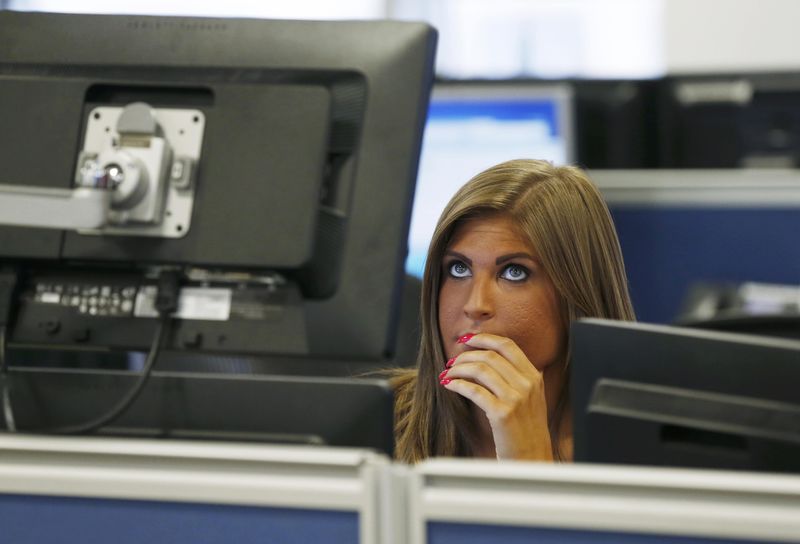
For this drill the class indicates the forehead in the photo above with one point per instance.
(491, 230)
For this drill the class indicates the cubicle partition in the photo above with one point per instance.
(678, 228)
(482, 502)
(92, 490)
(55, 489)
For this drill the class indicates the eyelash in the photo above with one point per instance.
(525, 271)
(451, 265)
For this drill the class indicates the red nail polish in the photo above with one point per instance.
(450, 362)
(445, 381)
(466, 338)
(442, 374)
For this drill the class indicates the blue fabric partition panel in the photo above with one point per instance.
(666, 250)
(457, 533)
(45, 519)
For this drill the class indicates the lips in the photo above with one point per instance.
(465, 337)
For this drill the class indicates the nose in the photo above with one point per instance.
(479, 305)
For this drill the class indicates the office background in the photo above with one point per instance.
(748, 218)
(585, 38)
(560, 77)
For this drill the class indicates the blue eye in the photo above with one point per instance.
(458, 269)
(515, 272)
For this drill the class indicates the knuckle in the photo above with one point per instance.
(515, 397)
(502, 413)
(494, 356)
(507, 343)
(482, 373)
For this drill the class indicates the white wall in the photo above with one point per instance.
(543, 38)
(705, 36)
(610, 38)
(546, 38)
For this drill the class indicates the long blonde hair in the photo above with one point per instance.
(565, 219)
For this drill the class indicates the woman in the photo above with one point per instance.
(521, 251)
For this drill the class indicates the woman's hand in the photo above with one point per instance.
(498, 378)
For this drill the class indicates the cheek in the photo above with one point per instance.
(537, 330)
(449, 308)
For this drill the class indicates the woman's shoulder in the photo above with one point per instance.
(402, 381)
(401, 378)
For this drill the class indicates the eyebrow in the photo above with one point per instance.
(500, 260)
(458, 255)
(511, 256)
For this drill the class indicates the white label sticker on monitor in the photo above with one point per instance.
(209, 303)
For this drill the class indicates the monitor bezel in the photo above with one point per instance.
(688, 366)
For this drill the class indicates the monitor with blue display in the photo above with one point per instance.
(472, 126)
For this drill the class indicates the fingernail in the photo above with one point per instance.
(466, 338)
(445, 381)
(442, 374)
(450, 362)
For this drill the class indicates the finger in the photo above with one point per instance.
(500, 364)
(484, 375)
(504, 346)
(501, 378)
(476, 393)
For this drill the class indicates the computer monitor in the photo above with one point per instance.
(272, 163)
(264, 408)
(658, 395)
(616, 123)
(744, 120)
(474, 125)
(221, 187)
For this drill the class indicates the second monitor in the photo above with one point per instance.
(669, 396)
(474, 125)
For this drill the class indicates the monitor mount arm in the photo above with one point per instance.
(127, 180)
(71, 209)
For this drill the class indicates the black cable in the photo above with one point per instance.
(8, 284)
(166, 304)
(127, 400)
(8, 410)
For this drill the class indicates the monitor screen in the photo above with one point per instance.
(270, 163)
(670, 396)
(472, 126)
